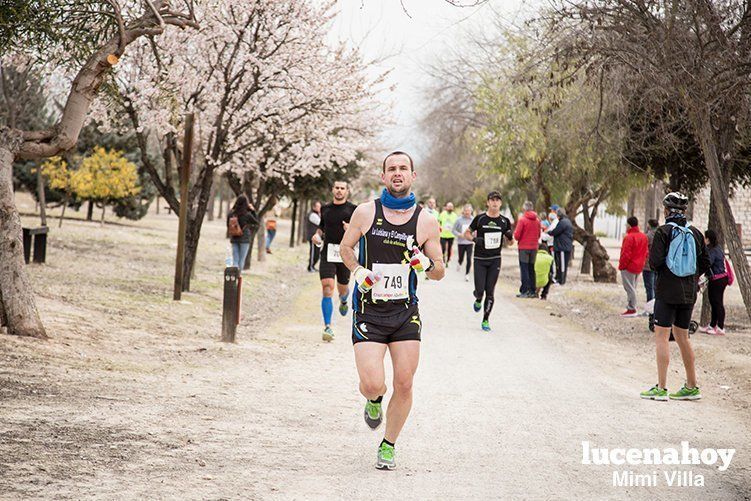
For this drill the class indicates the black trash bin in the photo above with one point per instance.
(36, 238)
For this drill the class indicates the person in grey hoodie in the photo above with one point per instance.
(465, 246)
(563, 244)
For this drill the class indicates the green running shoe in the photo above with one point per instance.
(477, 305)
(386, 455)
(373, 414)
(686, 394)
(655, 393)
(343, 308)
(328, 334)
(486, 326)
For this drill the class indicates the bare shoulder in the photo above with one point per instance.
(363, 215)
(427, 227)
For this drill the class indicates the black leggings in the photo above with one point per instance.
(466, 249)
(446, 246)
(716, 291)
(486, 275)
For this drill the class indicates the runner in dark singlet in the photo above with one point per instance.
(334, 221)
(488, 230)
(392, 232)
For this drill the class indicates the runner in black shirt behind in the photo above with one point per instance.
(487, 230)
(334, 221)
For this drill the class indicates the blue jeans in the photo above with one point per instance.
(239, 253)
(649, 278)
(270, 234)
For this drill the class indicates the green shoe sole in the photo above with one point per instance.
(686, 397)
(382, 465)
(663, 398)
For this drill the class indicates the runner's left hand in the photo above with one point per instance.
(419, 261)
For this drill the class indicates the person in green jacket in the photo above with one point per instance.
(543, 271)
(446, 219)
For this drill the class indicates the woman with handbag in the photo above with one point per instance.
(719, 279)
(240, 223)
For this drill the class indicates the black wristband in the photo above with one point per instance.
(430, 268)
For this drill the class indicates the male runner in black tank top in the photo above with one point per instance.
(391, 232)
(487, 230)
(334, 221)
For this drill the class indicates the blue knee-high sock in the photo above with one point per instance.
(327, 307)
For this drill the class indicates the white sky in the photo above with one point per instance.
(408, 44)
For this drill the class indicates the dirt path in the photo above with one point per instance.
(498, 415)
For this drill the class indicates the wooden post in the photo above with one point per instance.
(184, 179)
(231, 303)
(294, 223)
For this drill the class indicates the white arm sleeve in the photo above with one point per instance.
(314, 218)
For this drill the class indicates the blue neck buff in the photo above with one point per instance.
(391, 202)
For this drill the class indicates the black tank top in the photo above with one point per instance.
(383, 248)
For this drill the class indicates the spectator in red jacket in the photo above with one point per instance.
(634, 253)
(527, 235)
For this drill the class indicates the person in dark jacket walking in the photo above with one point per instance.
(648, 276)
(248, 221)
(718, 281)
(674, 299)
(563, 244)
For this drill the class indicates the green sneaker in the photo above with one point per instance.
(655, 393)
(386, 455)
(343, 308)
(477, 306)
(373, 414)
(328, 334)
(486, 326)
(686, 393)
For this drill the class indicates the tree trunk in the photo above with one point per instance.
(301, 214)
(631, 203)
(712, 222)
(719, 193)
(248, 258)
(157, 204)
(104, 207)
(589, 227)
(294, 223)
(212, 199)
(62, 213)
(90, 211)
(16, 293)
(261, 239)
(602, 271)
(41, 197)
(649, 206)
(3, 322)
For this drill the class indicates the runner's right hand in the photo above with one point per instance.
(365, 279)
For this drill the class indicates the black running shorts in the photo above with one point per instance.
(403, 325)
(667, 315)
(331, 270)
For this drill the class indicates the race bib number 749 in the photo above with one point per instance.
(394, 284)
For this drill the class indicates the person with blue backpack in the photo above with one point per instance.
(679, 257)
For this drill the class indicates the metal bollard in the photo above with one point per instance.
(231, 306)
